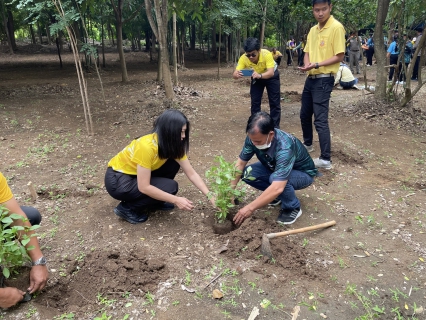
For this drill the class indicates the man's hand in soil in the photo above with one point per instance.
(10, 296)
(184, 204)
(38, 278)
(242, 214)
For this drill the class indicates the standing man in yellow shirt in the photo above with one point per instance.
(324, 50)
(265, 74)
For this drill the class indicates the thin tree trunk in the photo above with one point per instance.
(192, 39)
(58, 47)
(49, 40)
(103, 43)
(183, 42)
(119, 28)
(3, 13)
(262, 31)
(214, 48)
(33, 39)
(218, 56)
(40, 36)
(175, 73)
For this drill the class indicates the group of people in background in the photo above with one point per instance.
(409, 45)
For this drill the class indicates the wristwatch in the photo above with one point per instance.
(316, 65)
(39, 262)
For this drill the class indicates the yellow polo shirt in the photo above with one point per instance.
(143, 152)
(265, 62)
(325, 43)
(5, 192)
(276, 55)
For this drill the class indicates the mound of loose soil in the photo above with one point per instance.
(107, 272)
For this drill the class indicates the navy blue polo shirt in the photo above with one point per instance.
(286, 153)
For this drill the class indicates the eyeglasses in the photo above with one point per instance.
(249, 55)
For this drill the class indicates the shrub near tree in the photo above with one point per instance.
(13, 253)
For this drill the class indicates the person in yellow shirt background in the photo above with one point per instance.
(290, 45)
(277, 55)
(142, 175)
(324, 50)
(345, 78)
(10, 296)
(265, 74)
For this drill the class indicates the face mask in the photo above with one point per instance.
(266, 145)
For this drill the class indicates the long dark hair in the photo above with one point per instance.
(168, 127)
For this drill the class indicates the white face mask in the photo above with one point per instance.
(264, 146)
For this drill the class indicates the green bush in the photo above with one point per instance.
(220, 178)
(13, 253)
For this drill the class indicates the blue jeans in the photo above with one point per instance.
(296, 181)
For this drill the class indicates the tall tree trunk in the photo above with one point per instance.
(192, 39)
(39, 31)
(103, 37)
(161, 32)
(49, 39)
(109, 27)
(262, 30)
(214, 47)
(379, 47)
(118, 10)
(183, 42)
(175, 74)
(58, 47)
(33, 39)
(226, 38)
(4, 18)
(218, 55)
(11, 28)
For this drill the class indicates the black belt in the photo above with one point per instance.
(322, 75)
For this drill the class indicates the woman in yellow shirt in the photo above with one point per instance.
(142, 175)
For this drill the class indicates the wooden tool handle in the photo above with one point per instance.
(294, 231)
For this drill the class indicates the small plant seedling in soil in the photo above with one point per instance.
(220, 178)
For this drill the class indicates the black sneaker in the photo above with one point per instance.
(275, 202)
(130, 216)
(165, 206)
(289, 216)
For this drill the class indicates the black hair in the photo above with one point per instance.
(168, 127)
(251, 44)
(314, 2)
(261, 121)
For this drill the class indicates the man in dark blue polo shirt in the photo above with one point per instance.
(284, 166)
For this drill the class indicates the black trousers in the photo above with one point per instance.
(124, 187)
(289, 56)
(33, 215)
(300, 58)
(394, 60)
(278, 61)
(415, 75)
(315, 101)
(273, 89)
(370, 53)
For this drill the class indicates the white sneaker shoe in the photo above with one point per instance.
(309, 148)
(320, 163)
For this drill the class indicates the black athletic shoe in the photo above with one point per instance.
(275, 202)
(130, 216)
(289, 216)
(165, 206)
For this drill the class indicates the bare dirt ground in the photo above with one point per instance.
(101, 267)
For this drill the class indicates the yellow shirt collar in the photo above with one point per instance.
(328, 23)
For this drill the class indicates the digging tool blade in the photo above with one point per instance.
(265, 249)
